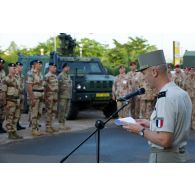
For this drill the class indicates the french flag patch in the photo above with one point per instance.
(159, 122)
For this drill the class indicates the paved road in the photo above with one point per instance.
(117, 146)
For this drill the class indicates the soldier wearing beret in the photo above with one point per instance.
(2, 95)
(65, 94)
(12, 102)
(20, 80)
(51, 97)
(36, 95)
(169, 125)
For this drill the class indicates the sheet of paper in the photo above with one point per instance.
(123, 121)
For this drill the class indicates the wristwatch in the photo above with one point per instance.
(142, 132)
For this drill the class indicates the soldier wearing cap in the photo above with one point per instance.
(134, 79)
(2, 95)
(65, 94)
(12, 102)
(51, 96)
(121, 88)
(36, 95)
(20, 80)
(169, 126)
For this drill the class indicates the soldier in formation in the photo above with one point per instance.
(36, 95)
(64, 96)
(134, 79)
(2, 95)
(12, 87)
(20, 80)
(51, 97)
(121, 88)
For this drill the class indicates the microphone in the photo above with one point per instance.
(133, 94)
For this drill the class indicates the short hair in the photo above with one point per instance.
(64, 65)
(121, 66)
(132, 63)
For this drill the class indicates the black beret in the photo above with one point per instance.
(19, 64)
(52, 64)
(2, 61)
(11, 65)
(38, 61)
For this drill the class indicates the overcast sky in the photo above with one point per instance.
(160, 22)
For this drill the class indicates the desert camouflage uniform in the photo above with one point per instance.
(121, 88)
(20, 81)
(2, 96)
(179, 78)
(134, 79)
(65, 95)
(36, 79)
(51, 98)
(146, 100)
(190, 88)
(12, 103)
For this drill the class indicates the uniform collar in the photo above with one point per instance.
(166, 86)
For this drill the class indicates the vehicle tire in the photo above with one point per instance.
(73, 112)
(110, 108)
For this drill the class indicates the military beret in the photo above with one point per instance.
(64, 65)
(38, 61)
(121, 66)
(52, 64)
(19, 64)
(11, 65)
(2, 61)
(153, 58)
(177, 66)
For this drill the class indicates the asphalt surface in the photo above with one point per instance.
(117, 146)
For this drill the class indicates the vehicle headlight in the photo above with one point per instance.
(78, 86)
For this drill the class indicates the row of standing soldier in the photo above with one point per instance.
(52, 90)
(142, 106)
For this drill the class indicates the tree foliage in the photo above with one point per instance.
(121, 53)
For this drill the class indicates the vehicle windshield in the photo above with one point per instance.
(85, 68)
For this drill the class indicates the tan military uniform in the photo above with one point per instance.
(189, 86)
(134, 79)
(51, 99)
(20, 81)
(121, 88)
(2, 96)
(36, 79)
(146, 100)
(12, 103)
(179, 78)
(65, 95)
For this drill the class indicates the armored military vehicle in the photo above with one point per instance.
(92, 86)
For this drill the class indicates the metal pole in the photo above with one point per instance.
(98, 146)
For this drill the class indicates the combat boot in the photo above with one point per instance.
(49, 130)
(54, 130)
(67, 128)
(17, 136)
(36, 133)
(61, 126)
(13, 135)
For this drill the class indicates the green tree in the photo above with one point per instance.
(90, 48)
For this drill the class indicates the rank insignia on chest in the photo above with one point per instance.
(159, 122)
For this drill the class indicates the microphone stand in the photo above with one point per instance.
(99, 126)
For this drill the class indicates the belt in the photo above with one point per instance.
(38, 90)
(180, 150)
(12, 97)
